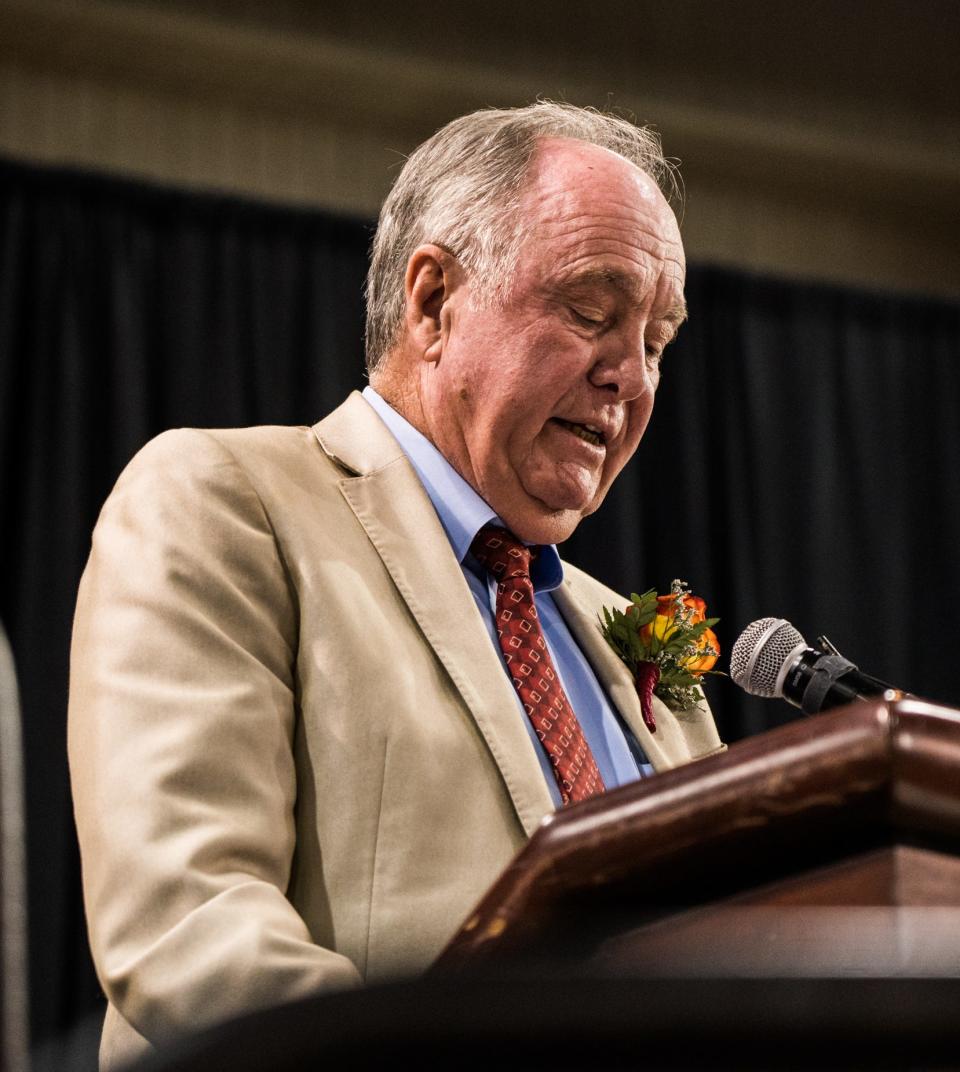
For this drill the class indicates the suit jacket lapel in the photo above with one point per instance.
(613, 675)
(390, 503)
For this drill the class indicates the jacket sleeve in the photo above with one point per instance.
(181, 722)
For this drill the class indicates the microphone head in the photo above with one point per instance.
(762, 655)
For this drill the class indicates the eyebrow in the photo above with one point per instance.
(676, 314)
(629, 286)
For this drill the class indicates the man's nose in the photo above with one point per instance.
(623, 368)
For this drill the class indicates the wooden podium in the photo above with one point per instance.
(827, 848)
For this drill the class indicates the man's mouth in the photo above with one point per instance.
(588, 432)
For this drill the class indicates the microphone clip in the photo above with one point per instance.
(826, 672)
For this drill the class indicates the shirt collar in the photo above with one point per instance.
(461, 510)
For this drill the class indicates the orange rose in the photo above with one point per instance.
(710, 646)
(666, 605)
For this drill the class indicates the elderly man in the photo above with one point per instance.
(327, 680)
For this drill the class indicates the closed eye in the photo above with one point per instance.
(586, 319)
(653, 355)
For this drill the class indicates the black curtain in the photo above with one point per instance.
(801, 461)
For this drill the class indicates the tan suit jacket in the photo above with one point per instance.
(297, 761)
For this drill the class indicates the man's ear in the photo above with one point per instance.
(429, 283)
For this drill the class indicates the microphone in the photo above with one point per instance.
(770, 658)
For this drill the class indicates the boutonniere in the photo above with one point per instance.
(667, 643)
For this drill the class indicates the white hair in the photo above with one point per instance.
(461, 189)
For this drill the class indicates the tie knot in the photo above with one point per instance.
(501, 553)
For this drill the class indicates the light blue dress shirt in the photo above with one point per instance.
(463, 513)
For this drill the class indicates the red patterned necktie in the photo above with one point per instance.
(531, 670)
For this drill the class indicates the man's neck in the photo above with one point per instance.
(398, 392)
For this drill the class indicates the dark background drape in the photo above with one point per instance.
(801, 462)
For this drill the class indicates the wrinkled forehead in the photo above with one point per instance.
(589, 215)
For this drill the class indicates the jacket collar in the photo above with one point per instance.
(356, 439)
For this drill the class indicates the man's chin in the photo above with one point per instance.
(541, 524)
(545, 511)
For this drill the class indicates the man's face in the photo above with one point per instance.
(540, 402)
